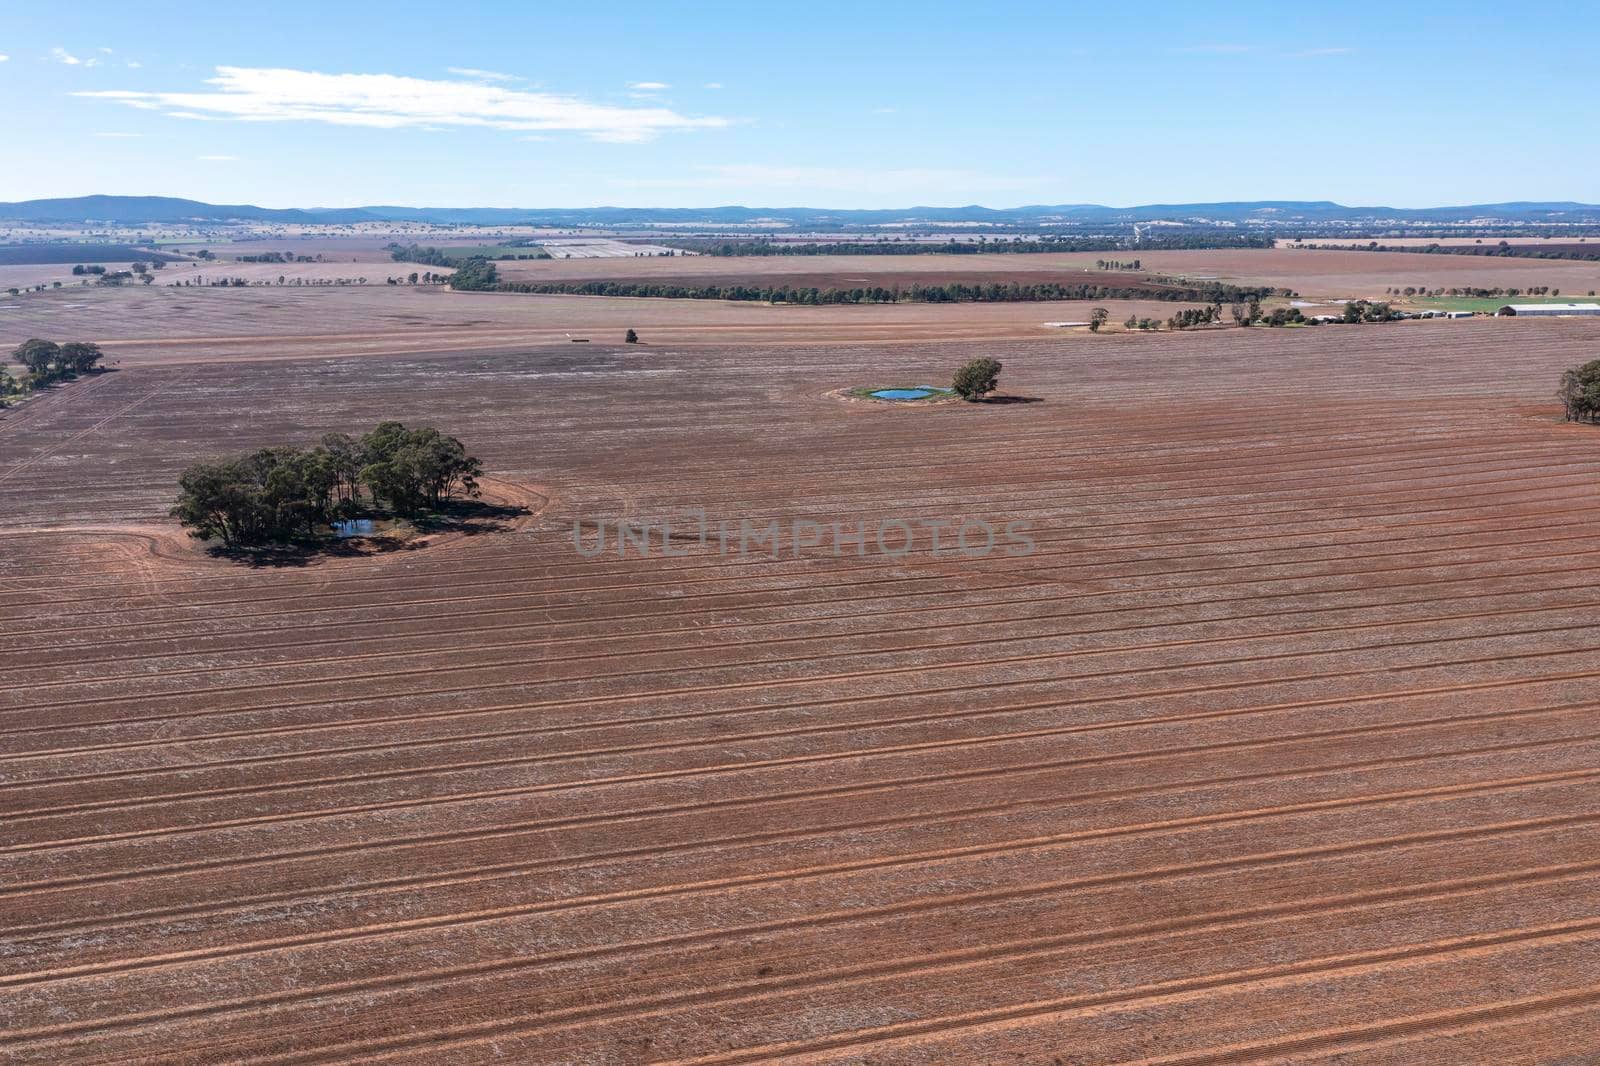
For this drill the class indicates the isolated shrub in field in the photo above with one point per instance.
(1097, 318)
(630, 337)
(977, 379)
(1580, 392)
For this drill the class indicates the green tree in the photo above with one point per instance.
(1097, 318)
(80, 356)
(222, 500)
(37, 355)
(271, 495)
(415, 470)
(1580, 392)
(473, 275)
(344, 458)
(977, 379)
(630, 337)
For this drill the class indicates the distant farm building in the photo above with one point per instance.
(1549, 310)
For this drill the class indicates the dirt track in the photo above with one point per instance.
(1282, 742)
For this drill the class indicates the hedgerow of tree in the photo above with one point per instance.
(954, 292)
(281, 495)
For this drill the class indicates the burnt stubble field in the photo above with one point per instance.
(1281, 743)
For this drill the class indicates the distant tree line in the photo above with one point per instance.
(1117, 264)
(277, 495)
(952, 292)
(48, 362)
(1168, 242)
(1422, 290)
(277, 257)
(226, 282)
(1502, 248)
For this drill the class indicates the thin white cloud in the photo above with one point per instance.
(218, 158)
(712, 85)
(104, 49)
(648, 86)
(1323, 52)
(390, 101)
(5, 59)
(66, 58)
(482, 75)
(134, 64)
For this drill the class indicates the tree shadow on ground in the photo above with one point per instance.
(998, 400)
(473, 518)
(463, 518)
(305, 552)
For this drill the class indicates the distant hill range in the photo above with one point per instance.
(137, 210)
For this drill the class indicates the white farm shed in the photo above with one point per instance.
(1549, 310)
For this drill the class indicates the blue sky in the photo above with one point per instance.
(817, 104)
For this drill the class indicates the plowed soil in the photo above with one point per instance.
(1281, 745)
(833, 271)
(1314, 273)
(166, 325)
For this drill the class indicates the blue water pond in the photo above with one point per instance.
(918, 393)
(353, 527)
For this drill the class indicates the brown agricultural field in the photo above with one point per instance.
(1281, 743)
(203, 273)
(167, 325)
(1314, 273)
(833, 271)
(1334, 274)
